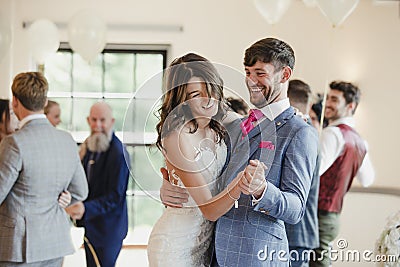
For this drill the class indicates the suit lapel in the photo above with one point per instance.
(251, 147)
(284, 117)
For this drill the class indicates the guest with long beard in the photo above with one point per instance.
(104, 213)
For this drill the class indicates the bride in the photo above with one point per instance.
(191, 140)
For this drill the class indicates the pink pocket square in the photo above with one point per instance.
(267, 145)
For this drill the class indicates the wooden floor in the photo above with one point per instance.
(128, 257)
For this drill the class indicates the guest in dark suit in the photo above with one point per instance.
(303, 236)
(104, 213)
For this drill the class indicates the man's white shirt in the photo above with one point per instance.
(332, 145)
(29, 118)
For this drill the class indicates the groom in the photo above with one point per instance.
(254, 233)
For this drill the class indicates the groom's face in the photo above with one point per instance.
(262, 82)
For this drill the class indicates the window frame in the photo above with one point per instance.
(79, 136)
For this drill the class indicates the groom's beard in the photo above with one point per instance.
(98, 142)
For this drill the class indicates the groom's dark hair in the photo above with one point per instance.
(270, 50)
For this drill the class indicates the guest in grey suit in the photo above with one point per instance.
(37, 163)
(254, 233)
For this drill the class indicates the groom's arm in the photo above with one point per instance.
(172, 195)
(287, 202)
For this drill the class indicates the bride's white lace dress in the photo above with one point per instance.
(182, 236)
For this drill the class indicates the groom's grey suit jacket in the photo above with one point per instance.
(37, 163)
(247, 235)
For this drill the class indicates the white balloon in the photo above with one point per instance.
(272, 10)
(87, 34)
(5, 37)
(44, 39)
(337, 11)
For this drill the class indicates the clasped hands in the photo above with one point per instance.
(76, 210)
(251, 180)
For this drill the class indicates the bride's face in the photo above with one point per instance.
(200, 103)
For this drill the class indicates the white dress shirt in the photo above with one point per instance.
(275, 109)
(332, 145)
(29, 118)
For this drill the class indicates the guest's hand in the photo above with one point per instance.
(253, 179)
(64, 199)
(76, 210)
(171, 195)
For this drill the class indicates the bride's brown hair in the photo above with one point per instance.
(176, 78)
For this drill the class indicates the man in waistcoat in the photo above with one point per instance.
(343, 155)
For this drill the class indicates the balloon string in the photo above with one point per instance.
(329, 63)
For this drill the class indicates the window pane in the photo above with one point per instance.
(119, 107)
(142, 116)
(87, 77)
(144, 207)
(115, 77)
(150, 64)
(119, 72)
(146, 162)
(81, 109)
(58, 72)
(152, 88)
(143, 211)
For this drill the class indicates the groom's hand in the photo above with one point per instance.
(172, 195)
(253, 179)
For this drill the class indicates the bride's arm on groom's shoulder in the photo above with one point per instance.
(172, 195)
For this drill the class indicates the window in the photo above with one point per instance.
(129, 78)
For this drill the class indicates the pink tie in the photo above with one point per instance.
(247, 124)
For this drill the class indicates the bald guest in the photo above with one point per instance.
(104, 213)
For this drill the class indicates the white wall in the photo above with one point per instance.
(364, 50)
(362, 221)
